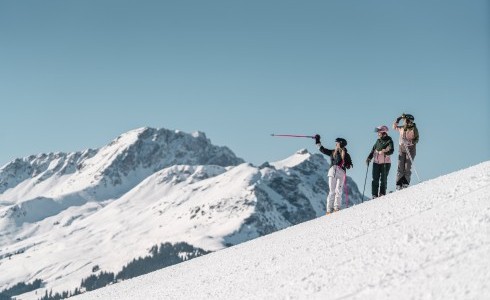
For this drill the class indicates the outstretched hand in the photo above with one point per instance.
(317, 139)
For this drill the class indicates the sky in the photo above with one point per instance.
(427, 242)
(76, 74)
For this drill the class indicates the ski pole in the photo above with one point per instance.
(410, 157)
(365, 178)
(293, 135)
(346, 190)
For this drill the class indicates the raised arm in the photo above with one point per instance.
(320, 147)
(395, 124)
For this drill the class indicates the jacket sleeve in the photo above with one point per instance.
(371, 154)
(391, 147)
(395, 126)
(416, 134)
(324, 150)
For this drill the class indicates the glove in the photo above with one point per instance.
(317, 139)
(368, 161)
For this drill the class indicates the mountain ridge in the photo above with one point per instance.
(207, 206)
(96, 175)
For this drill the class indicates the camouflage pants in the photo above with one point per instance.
(404, 171)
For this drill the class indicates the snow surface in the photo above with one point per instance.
(65, 217)
(430, 241)
(60, 215)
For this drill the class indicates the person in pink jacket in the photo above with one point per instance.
(380, 154)
(409, 137)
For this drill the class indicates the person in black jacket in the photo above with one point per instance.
(340, 161)
(381, 152)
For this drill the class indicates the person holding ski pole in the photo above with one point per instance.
(409, 137)
(380, 152)
(340, 161)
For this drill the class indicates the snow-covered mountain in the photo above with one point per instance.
(43, 185)
(64, 217)
(430, 241)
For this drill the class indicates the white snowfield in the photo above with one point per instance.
(430, 241)
(67, 216)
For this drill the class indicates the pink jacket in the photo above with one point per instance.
(409, 136)
(381, 158)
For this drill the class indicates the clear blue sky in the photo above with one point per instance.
(76, 74)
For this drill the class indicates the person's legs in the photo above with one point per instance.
(338, 193)
(385, 170)
(331, 193)
(400, 172)
(375, 183)
(408, 165)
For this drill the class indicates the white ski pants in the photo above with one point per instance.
(335, 184)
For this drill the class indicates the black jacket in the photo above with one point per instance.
(334, 161)
(382, 143)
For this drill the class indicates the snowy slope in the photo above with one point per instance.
(133, 196)
(430, 241)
